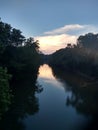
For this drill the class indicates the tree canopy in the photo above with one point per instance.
(10, 36)
(18, 55)
(89, 40)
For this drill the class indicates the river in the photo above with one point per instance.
(58, 106)
(54, 113)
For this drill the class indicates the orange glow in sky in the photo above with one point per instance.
(49, 44)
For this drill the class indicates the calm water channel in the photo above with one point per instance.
(60, 105)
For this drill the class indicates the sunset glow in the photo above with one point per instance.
(46, 72)
(49, 44)
(58, 38)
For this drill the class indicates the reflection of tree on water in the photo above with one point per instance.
(25, 103)
(83, 98)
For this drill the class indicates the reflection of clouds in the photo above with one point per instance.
(46, 77)
(51, 82)
(45, 72)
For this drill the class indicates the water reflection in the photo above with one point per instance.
(45, 72)
(25, 103)
(46, 76)
(64, 103)
(84, 98)
(54, 113)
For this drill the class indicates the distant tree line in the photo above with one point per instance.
(81, 58)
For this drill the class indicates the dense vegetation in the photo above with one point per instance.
(83, 97)
(18, 55)
(5, 94)
(81, 58)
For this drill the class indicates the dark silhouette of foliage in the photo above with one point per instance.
(84, 95)
(30, 42)
(78, 58)
(5, 95)
(16, 38)
(89, 40)
(22, 59)
(10, 36)
(13, 54)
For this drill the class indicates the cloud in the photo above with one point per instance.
(58, 38)
(49, 44)
(75, 29)
(88, 29)
(65, 29)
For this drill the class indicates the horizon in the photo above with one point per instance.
(53, 23)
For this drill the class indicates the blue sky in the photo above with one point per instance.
(51, 20)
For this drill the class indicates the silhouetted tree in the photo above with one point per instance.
(5, 95)
(9, 35)
(89, 40)
(30, 42)
(16, 38)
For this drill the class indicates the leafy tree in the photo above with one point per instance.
(22, 62)
(10, 36)
(5, 95)
(89, 40)
(35, 44)
(83, 61)
(16, 38)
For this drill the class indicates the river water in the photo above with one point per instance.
(60, 104)
(54, 113)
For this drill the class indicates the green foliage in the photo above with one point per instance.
(89, 40)
(21, 58)
(79, 60)
(21, 61)
(84, 94)
(5, 95)
(30, 42)
(13, 54)
(10, 36)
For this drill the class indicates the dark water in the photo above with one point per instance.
(60, 104)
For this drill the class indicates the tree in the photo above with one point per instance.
(89, 40)
(4, 33)
(35, 44)
(5, 95)
(16, 38)
(29, 41)
(10, 36)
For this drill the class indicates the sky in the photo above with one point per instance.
(53, 22)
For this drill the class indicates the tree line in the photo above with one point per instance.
(19, 58)
(80, 58)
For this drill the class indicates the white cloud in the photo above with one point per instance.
(49, 44)
(65, 29)
(58, 38)
(88, 29)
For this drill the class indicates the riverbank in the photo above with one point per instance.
(77, 78)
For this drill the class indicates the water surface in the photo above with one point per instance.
(60, 103)
(54, 113)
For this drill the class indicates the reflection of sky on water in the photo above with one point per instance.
(53, 82)
(45, 72)
(46, 77)
(53, 113)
